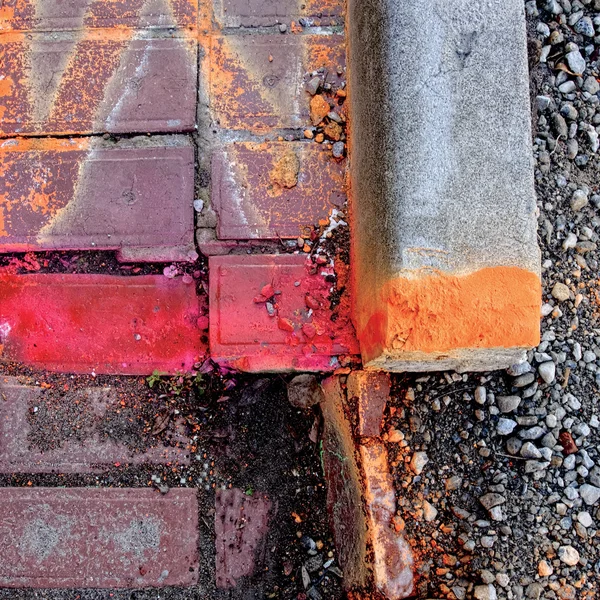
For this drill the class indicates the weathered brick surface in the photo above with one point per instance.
(273, 190)
(90, 194)
(241, 526)
(99, 323)
(392, 556)
(254, 13)
(104, 81)
(371, 391)
(361, 499)
(344, 488)
(292, 336)
(87, 451)
(29, 15)
(256, 81)
(98, 538)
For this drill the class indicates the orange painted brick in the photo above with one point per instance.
(371, 391)
(273, 189)
(256, 81)
(256, 13)
(98, 81)
(137, 193)
(29, 15)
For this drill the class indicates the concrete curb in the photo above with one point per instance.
(445, 257)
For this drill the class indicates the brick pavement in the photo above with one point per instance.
(117, 120)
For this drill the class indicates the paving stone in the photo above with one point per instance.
(251, 201)
(372, 391)
(87, 452)
(135, 196)
(445, 228)
(362, 503)
(256, 81)
(241, 526)
(256, 13)
(107, 81)
(29, 15)
(99, 323)
(292, 336)
(98, 538)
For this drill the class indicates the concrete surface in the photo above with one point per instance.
(446, 264)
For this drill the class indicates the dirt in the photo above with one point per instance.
(240, 432)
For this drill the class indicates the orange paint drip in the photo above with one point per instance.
(496, 307)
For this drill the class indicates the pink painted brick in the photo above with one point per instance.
(99, 323)
(241, 525)
(87, 455)
(296, 337)
(98, 538)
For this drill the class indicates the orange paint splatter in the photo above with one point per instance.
(496, 307)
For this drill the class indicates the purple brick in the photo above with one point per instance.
(98, 538)
(134, 196)
(111, 82)
(90, 453)
(250, 202)
(241, 524)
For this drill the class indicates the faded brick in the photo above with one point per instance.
(256, 82)
(88, 452)
(89, 194)
(98, 538)
(372, 391)
(254, 203)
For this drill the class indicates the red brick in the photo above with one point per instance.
(253, 204)
(255, 13)
(29, 15)
(90, 453)
(242, 333)
(256, 82)
(372, 391)
(90, 194)
(99, 323)
(241, 526)
(107, 80)
(98, 538)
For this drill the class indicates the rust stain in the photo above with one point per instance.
(495, 307)
(285, 172)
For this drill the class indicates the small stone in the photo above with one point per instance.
(502, 579)
(485, 592)
(528, 450)
(561, 292)
(305, 391)
(579, 200)
(547, 371)
(585, 27)
(282, 28)
(505, 426)
(480, 395)
(453, 483)
(524, 380)
(429, 512)
(338, 150)
(585, 518)
(576, 62)
(418, 462)
(508, 404)
(489, 501)
(591, 85)
(568, 555)
(544, 569)
(589, 493)
(312, 87)
(534, 590)
(513, 445)
(534, 433)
